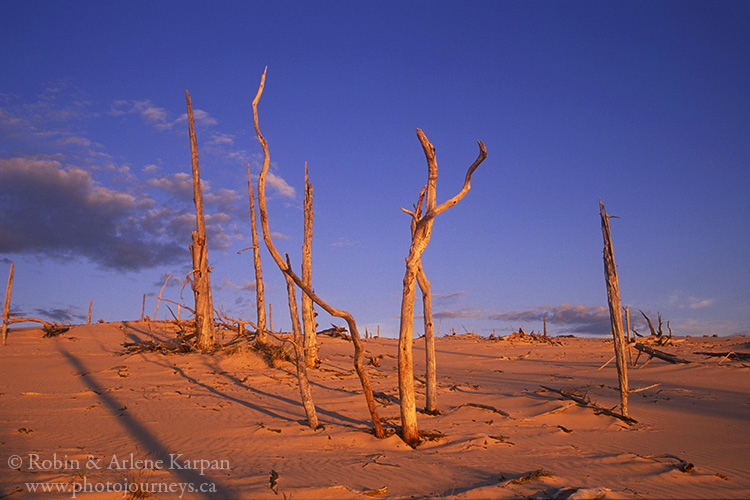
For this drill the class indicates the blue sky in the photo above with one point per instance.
(645, 105)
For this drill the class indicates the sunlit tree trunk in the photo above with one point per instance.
(204, 309)
(308, 311)
(615, 312)
(421, 233)
(260, 298)
(287, 269)
(304, 383)
(6, 306)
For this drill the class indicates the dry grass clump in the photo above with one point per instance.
(273, 354)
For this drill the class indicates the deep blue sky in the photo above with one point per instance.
(645, 105)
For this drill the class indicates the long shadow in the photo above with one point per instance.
(293, 402)
(223, 395)
(148, 441)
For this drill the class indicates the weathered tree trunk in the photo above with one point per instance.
(627, 330)
(204, 309)
(304, 383)
(429, 329)
(615, 312)
(260, 297)
(358, 347)
(308, 311)
(430, 406)
(6, 306)
(143, 304)
(91, 305)
(289, 273)
(420, 239)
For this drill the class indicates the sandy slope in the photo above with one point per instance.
(77, 400)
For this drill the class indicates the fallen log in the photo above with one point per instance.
(586, 403)
(732, 356)
(654, 353)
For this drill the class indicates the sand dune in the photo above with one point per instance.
(77, 412)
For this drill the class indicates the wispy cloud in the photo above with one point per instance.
(280, 185)
(156, 116)
(247, 286)
(448, 298)
(342, 243)
(467, 312)
(700, 303)
(280, 236)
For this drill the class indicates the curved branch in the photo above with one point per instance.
(356, 340)
(304, 384)
(431, 213)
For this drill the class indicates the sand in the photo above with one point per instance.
(78, 415)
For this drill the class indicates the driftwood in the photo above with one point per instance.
(657, 334)
(680, 464)
(585, 402)
(336, 331)
(179, 345)
(485, 407)
(653, 353)
(732, 356)
(51, 329)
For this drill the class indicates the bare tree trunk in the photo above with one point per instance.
(304, 384)
(6, 306)
(259, 291)
(204, 309)
(289, 273)
(143, 307)
(615, 312)
(91, 305)
(424, 286)
(627, 323)
(429, 343)
(420, 239)
(308, 311)
(358, 347)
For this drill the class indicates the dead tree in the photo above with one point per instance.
(260, 298)
(308, 311)
(290, 275)
(6, 307)
(304, 383)
(615, 311)
(420, 240)
(204, 309)
(429, 329)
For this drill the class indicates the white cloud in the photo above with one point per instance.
(700, 303)
(342, 242)
(280, 236)
(156, 116)
(280, 185)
